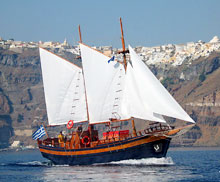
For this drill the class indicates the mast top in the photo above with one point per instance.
(124, 51)
(122, 36)
(80, 36)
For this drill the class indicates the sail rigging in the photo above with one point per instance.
(111, 93)
(63, 88)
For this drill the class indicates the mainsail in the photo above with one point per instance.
(104, 82)
(151, 93)
(63, 88)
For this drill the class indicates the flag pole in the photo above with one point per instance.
(45, 130)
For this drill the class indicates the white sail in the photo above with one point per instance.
(133, 102)
(103, 85)
(63, 88)
(152, 93)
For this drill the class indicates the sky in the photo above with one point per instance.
(145, 22)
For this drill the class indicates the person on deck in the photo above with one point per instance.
(79, 128)
(61, 137)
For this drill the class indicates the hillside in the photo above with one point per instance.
(22, 107)
(196, 86)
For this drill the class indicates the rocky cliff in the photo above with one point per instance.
(196, 86)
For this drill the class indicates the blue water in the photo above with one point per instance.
(179, 165)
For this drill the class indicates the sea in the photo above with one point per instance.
(180, 165)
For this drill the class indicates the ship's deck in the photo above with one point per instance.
(85, 139)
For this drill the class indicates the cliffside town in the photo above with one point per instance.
(189, 71)
(170, 54)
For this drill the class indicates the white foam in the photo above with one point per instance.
(33, 163)
(148, 161)
(60, 165)
(38, 163)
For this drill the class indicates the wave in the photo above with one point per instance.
(165, 161)
(28, 164)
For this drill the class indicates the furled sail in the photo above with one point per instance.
(104, 81)
(64, 89)
(151, 92)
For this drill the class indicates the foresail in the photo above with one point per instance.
(63, 88)
(133, 102)
(103, 79)
(152, 92)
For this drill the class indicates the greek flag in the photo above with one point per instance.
(39, 133)
(112, 59)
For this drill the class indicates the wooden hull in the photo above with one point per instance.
(134, 148)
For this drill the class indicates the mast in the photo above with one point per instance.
(87, 109)
(124, 51)
(80, 36)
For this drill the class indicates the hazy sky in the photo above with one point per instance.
(145, 22)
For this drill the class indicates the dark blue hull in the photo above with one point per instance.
(155, 149)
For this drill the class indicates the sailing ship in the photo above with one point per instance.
(106, 91)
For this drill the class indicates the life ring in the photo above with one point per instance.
(69, 124)
(86, 140)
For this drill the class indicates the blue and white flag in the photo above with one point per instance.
(112, 59)
(39, 133)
